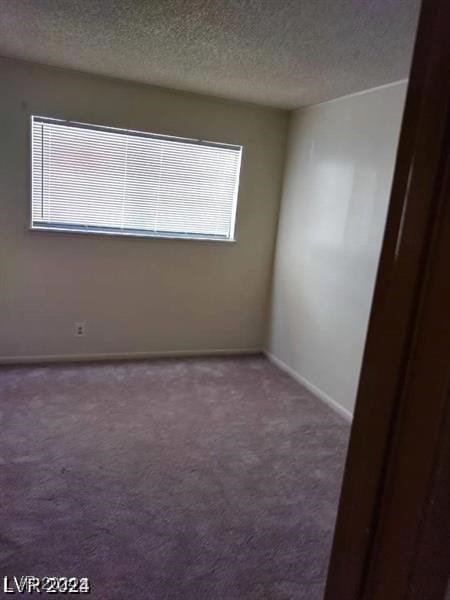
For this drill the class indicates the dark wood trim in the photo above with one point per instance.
(403, 389)
(430, 577)
(418, 430)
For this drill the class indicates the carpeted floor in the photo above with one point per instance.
(177, 479)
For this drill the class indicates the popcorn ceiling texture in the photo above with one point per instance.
(282, 53)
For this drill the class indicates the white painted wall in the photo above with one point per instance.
(338, 175)
(136, 295)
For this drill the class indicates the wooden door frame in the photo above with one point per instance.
(392, 517)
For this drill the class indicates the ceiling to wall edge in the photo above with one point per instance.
(140, 84)
(213, 97)
(353, 94)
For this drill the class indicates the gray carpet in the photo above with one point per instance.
(176, 479)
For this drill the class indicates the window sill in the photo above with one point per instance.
(128, 234)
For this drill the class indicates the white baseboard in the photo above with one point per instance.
(58, 358)
(311, 387)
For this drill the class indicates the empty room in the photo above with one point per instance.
(193, 197)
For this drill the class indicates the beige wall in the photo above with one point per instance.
(136, 295)
(338, 175)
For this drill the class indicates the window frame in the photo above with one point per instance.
(130, 233)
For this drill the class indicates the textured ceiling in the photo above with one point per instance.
(283, 53)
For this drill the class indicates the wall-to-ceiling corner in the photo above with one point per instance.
(338, 173)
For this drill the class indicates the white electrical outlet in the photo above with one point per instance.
(80, 329)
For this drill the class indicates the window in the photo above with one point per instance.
(106, 180)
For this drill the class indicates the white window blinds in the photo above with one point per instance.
(89, 178)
